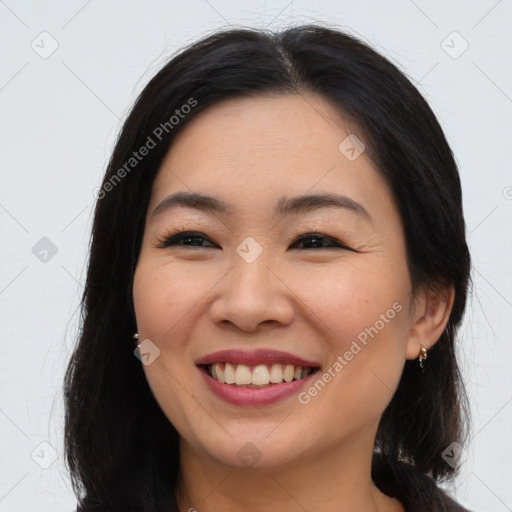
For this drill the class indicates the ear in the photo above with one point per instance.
(432, 309)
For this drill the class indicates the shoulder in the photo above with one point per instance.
(414, 489)
(442, 501)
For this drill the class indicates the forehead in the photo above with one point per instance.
(253, 151)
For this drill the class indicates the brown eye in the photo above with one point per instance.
(186, 238)
(320, 241)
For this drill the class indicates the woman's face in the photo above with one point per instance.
(245, 282)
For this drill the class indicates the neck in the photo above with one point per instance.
(337, 480)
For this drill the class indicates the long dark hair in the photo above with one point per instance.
(122, 451)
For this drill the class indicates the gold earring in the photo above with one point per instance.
(422, 356)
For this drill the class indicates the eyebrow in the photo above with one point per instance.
(284, 206)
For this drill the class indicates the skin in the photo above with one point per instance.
(310, 301)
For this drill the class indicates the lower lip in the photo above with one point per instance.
(254, 396)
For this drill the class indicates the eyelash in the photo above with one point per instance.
(174, 238)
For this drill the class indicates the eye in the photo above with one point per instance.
(187, 238)
(321, 241)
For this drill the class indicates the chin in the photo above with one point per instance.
(261, 454)
(250, 448)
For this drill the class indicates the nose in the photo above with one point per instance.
(253, 295)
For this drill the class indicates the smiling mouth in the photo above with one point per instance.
(258, 376)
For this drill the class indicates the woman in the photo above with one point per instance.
(280, 230)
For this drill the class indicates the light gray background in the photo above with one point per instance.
(59, 119)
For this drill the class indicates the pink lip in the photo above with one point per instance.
(254, 396)
(255, 357)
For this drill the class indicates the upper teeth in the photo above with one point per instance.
(241, 374)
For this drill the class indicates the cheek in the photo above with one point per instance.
(163, 294)
(349, 303)
(163, 298)
(363, 319)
